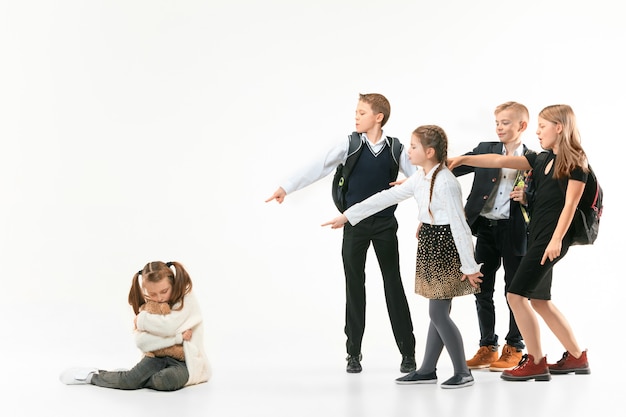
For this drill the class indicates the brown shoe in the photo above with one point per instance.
(485, 356)
(569, 363)
(510, 358)
(527, 369)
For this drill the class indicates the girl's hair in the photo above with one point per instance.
(432, 136)
(571, 153)
(155, 272)
(379, 104)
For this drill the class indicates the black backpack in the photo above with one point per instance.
(586, 221)
(342, 174)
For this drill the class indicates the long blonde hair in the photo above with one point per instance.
(571, 153)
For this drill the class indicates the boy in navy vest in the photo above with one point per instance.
(371, 174)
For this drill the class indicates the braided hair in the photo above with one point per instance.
(432, 136)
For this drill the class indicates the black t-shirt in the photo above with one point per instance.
(548, 195)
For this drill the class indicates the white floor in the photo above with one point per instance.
(277, 348)
(154, 130)
(272, 378)
(275, 339)
(312, 389)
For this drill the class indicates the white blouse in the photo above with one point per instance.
(446, 207)
(327, 162)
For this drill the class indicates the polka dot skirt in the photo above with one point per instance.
(438, 267)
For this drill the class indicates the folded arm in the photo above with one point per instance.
(175, 322)
(148, 342)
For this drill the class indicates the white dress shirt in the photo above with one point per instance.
(498, 205)
(328, 162)
(446, 207)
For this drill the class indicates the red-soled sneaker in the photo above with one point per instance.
(527, 369)
(569, 363)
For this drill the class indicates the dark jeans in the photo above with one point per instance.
(381, 233)
(161, 374)
(493, 249)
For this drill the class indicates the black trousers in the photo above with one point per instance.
(381, 233)
(494, 249)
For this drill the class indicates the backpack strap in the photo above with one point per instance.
(396, 149)
(595, 204)
(354, 145)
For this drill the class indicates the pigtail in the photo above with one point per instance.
(181, 286)
(135, 295)
(154, 272)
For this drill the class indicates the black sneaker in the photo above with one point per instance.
(459, 381)
(354, 364)
(408, 364)
(415, 378)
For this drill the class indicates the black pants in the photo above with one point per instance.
(381, 233)
(493, 249)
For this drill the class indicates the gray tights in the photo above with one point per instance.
(443, 332)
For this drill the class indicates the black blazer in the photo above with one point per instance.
(485, 180)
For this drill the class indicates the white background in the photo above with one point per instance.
(134, 131)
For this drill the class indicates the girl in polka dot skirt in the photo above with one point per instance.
(445, 265)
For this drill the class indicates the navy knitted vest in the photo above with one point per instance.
(370, 174)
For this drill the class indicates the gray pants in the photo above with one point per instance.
(161, 374)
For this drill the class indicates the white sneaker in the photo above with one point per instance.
(77, 376)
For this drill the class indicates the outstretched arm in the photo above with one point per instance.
(490, 160)
(319, 168)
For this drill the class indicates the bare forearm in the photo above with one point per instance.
(490, 160)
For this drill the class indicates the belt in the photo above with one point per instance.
(493, 223)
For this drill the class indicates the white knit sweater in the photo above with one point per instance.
(156, 331)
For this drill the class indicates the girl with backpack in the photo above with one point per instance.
(558, 179)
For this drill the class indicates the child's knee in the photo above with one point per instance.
(168, 381)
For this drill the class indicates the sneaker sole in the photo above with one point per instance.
(73, 381)
(71, 377)
(540, 377)
(496, 369)
(579, 371)
(467, 384)
(425, 381)
(487, 365)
